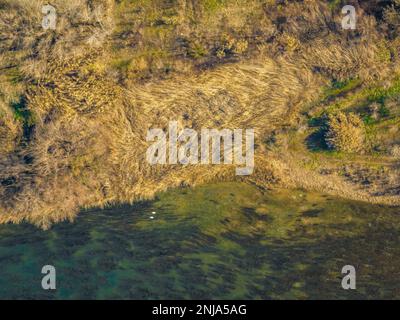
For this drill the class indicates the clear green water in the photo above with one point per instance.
(222, 241)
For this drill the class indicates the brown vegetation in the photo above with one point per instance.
(76, 103)
(345, 133)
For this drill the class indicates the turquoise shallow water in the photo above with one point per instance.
(222, 241)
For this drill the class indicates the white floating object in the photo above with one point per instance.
(151, 217)
(153, 212)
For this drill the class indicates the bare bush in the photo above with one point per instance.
(345, 132)
(395, 151)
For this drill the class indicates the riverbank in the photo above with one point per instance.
(77, 102)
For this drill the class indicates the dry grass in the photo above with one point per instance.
(92, 89)
(346, 133)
